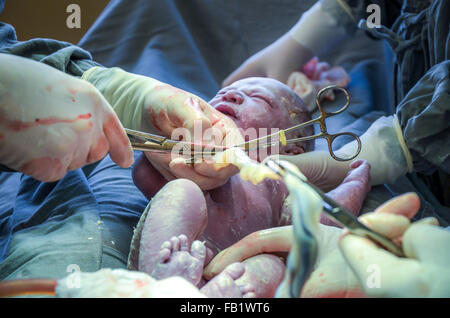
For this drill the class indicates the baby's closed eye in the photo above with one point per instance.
(264, 99)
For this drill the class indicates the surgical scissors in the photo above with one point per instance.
(150, 142)
(249, 145)
(337, 212)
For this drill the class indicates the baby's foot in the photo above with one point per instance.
(175, 259)
(227, 285)
(360, 173)
(352, 192)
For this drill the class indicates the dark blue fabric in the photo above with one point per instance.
(35, 202)
(103, 187)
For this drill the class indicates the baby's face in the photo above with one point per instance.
(263, 103)
(255, 103)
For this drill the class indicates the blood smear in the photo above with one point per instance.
(17, 125)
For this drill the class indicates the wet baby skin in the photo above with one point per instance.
(222, 216)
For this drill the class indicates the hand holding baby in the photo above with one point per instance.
(146, 104)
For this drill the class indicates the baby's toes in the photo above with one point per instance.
(175, 241)
(184, 243)
(198, 251)
(164, 255)
(166, 252)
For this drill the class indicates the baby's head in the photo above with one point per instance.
(260, 102)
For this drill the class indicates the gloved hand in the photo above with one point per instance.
(356, 267)
(315, 31)
(424, 271)
(146, 104)
(382, 145)
(352, 266)
(277, 61)
(51, 122)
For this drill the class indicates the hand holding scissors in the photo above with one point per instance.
(151, 142)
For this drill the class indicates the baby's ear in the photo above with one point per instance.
(292, 150)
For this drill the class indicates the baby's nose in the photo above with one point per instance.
(233, 96)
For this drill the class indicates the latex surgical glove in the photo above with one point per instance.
(315, 31)
(51, 122)
(382, 145)
(146, 104)
(333, 275)
(424, 271)
(277, 61)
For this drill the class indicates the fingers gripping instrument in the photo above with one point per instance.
(151, 142)
(308, 203)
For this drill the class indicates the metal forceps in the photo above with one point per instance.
(150, 142)
(323, 129)
(339, 213)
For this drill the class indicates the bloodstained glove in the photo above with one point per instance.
(51, 122)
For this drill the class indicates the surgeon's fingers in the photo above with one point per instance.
(393, 226)
(392, 218)
(406, 204)
(197, 121)
(120, 149)
(80, 157)
(379, 272)
(427, 242)
(181, 110)
(99, 150)
(182, 170)
(206, 177)
(223, 132)
(232, 138)
(389, 225)
(208, 168)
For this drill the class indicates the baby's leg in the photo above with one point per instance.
(265, 272)
(178, 208)
(352, 192)
(228, 284)
(177, 258)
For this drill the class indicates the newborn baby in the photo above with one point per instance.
(222, 216)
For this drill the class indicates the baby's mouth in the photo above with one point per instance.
(227, 110)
